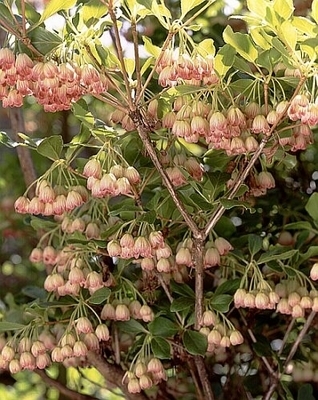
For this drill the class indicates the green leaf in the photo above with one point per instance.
(31, 14)
(262, 347)
(5, 15)
(34, 292)
(255, 243)
(182, 289)
(43, 40)
(80, 110)
(241, 42)
(312, 206)
(182, 303)
(188, 5)
(51, 147)
(160, 347)
(99, 296)
(229, 287)
(151, 48)
(162, 326)
(10, 326)
(230, 203)
(6, 140)
(284, 8)
(224, 59)
(54, 6)
(131, 326)
(298, 226)
(221, 302)
(305, 392)
(195, 343)
(278, 253)
(148, 217)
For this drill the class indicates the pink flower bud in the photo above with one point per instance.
(84, 325)
(122, 313)
(93, 168)
(108, 312)
(21, 205)
(102, 332)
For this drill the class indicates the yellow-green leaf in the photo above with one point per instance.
(242, 43)
(54, 6)
(314, 10)
(259, 37)
(257, 7)
(224, 59)
(130, 66)
(206, 48)
(188, 5)
(305, 26)
(288, 34)
(151, 48)
(284, 8)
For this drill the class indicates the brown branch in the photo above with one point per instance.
(199, 275)
(71, 394)
(219, 211)
(143, 134)
(120, 53)
(202, 372)
(300, 337)
(113, 375)
(24, 154)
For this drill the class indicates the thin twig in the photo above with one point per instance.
(219, 211)
(192, 368)
(113, 375)
(251, 334)
(168, 294)
(202, 372)
(199, 275)
(300, 337)
(120, 54)
(143, 133)
(290, 327)
(64, 390)
(137, 58)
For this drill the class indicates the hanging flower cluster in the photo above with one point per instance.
(55, 86)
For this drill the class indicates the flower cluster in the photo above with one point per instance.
(61, 344)
(219, 335)
(117, 181)
(195, 70)
(145, 375)
(50, 201)
(236, 130)
(124, 310)
(55, 86)
(288, 297)
(212, 252)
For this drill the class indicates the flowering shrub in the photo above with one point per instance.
(149, 276)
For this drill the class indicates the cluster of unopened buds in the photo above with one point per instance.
(236, 130)
(55, 86)
(126, 309)
(185, 68)
(219, 336)
(288, 297)
(118, 180)
(70, 273)
(258, 183)
(50, 201)
(68, 345)
(213, 251)
(145, 374)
